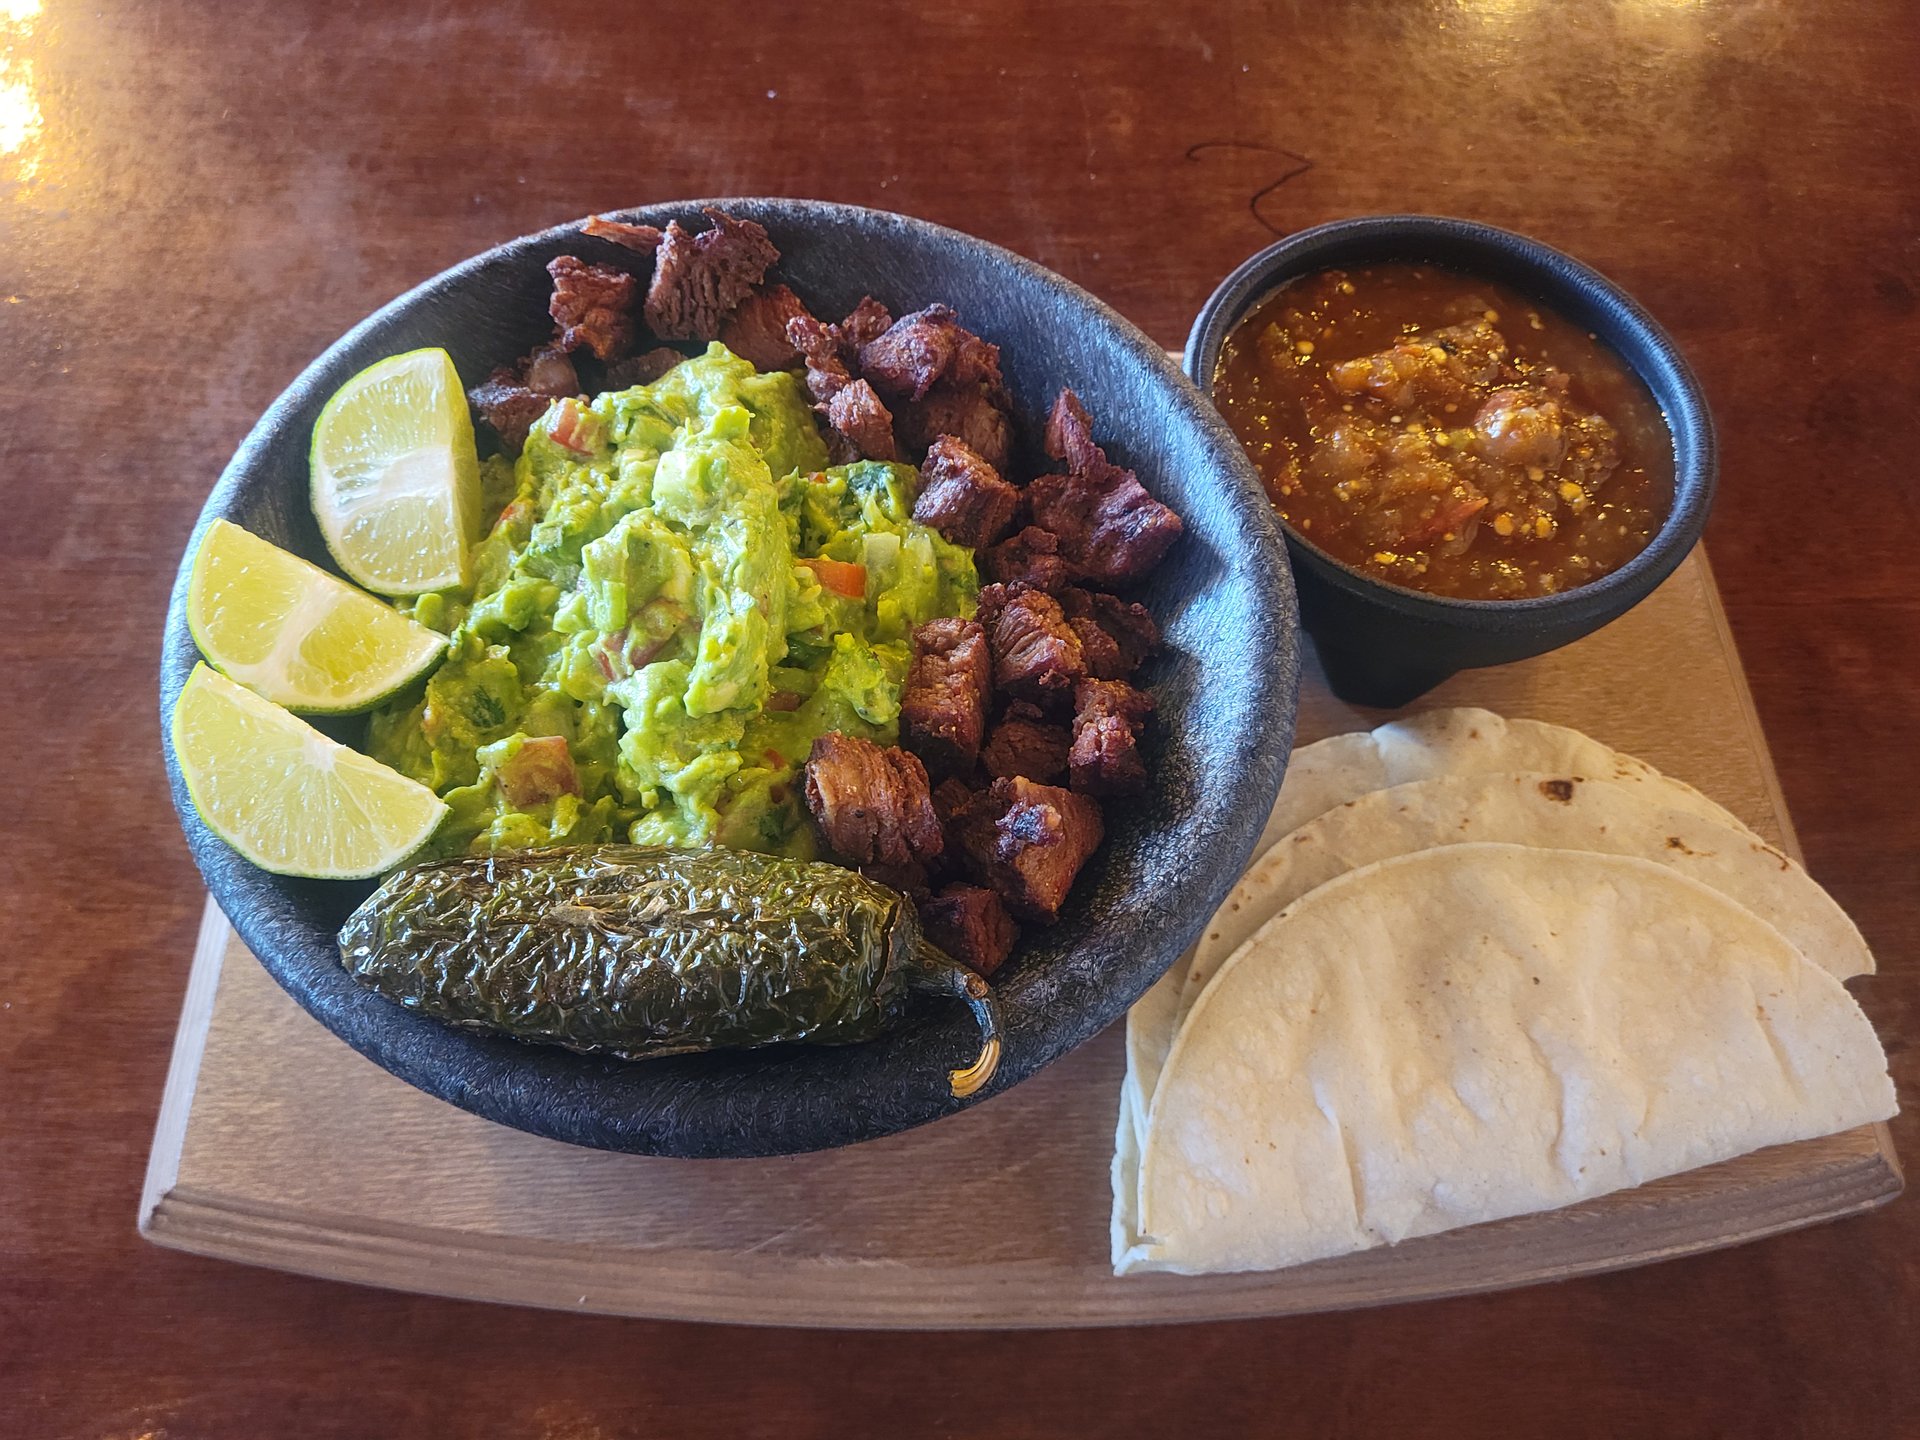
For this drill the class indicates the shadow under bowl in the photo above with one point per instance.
(1225, 684)
(1382, 644)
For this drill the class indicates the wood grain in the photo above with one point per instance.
(279, 1146)
(195, 200)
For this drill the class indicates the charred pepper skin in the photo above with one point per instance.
(643, 951)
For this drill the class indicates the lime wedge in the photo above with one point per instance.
(294, 634)
(284, 795)
(396, 480)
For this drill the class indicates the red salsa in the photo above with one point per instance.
(1446, 433)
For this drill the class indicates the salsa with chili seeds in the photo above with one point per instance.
(1446, 433)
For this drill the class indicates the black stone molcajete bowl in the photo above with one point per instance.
(1382, 644)
(1225, 684)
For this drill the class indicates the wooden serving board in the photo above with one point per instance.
(277, 1145)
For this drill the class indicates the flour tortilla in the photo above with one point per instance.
(1331, 772)
(1468, 1033)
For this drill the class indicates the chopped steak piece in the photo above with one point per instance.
(549, 371)
(642, 369)
(968, 412)
(1110, 530)
(1028, 841)
(866, 322)
(644, 239)
(950, 797)
(816, 343)
(757, 330)
(1115, 636)
(1070, 437)
(1031, 558)
(970, 924)
(872, 805)
(858, 417)
(943, 709)
(508, 406)
(1105, 759)
(1032, 748)
(1036, 655)
(929, 345)
(698, 279)
(962, 496)
(592, 305)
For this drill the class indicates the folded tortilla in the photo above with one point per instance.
(1437, 743)
(1478, 1031)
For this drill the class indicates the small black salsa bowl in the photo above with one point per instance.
(1224, 681)
(1382, 644)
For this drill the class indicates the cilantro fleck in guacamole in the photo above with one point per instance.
(673, 597)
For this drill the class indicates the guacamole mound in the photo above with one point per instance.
(644, 594)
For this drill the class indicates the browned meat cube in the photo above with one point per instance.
(1115, 636)
(1069, 437)
(909, 879)
(549, 371)
(866, 322)
(1028, 841)
(920, 349)
(1107, 719)
(872, 805)
(971, 925)
(642, 369)
(951, 796)
(962, 496)
(969, 412)
(1110, 530)
(1029, 747)
(644, 239)
(858, 418)
(943, 709)
(1032, 558)
(1036, 655)
(592, 305)
(818, 343)
(757, 330)
(699, 279)
(515, 396)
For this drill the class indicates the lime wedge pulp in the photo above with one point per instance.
(396, 480)
(285, 796)
(294, 634)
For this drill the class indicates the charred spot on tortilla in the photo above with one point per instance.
(1560, 790)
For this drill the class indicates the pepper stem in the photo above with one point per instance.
(938, 972)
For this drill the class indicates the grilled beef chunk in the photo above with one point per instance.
(923, 348)
(699, 279)
(1026, 745)
(1036, 655)
(969, 412)
(866, 322)
(872, 805)
(962, 496)
(1028, 841)
(515, 396)
(1032, 558)
(950, 797)
(757, 330)
(1107, 720)
(642, 369)
(644, 239)
(592, 305)
(970, 924)
(862, 423)
(909, 879)
(1115, 636)
(943, 709)
(818, 343)
(1110, 529)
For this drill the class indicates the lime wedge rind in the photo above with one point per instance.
(287, 798)
(296, 635)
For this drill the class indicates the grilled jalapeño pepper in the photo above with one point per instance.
(643, 951)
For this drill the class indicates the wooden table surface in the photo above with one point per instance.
(194, 200)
